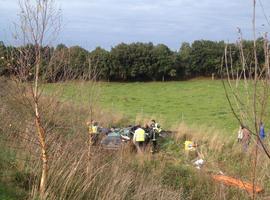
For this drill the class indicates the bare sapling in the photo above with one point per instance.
(39, 23)
(90, 78)
(246, 86)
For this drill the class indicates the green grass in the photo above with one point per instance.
(196, 102)
(172, 168)
(8, 192)
(9, 187)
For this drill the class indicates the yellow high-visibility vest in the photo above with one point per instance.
(93, 129)
(139, 135)
(189, 146)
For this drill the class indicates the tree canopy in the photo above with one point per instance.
(130, 62)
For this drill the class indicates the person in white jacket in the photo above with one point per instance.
(240, 134)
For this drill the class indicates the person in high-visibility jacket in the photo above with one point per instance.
(139, 138)
(93, 132)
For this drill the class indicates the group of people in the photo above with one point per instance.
(244, 135)
(141, 135)
(140, 139)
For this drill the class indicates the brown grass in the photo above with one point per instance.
(123, 174)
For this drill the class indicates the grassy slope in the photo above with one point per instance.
(199, 102)
(9, 189)
(178, 171)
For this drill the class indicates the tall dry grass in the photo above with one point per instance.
(122, 174)
(223, 154)
(110, 175)
(71, 175)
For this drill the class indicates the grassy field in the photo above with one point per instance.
(171, 172)
(196, 102)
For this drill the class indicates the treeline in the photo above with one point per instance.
(126, 62)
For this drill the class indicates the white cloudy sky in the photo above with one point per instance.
(105, 23)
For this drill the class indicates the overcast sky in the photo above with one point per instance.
(105, 23)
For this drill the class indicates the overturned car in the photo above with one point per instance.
(116, 137)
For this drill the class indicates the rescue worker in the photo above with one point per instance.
(240, 134)
(262, 132)
(154, 125)
(139, 138)
(147, 128)
(246, 138)
(93, 132)
(155, 130)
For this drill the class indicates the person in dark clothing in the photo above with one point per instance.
(154, 132)
(262, 132)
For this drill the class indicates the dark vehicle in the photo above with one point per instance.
(116, 138)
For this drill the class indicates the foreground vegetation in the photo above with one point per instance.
(170, 174)
(47, 133)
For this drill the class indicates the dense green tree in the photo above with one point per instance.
(129, 62)
(141, 60)
(100, 63)
(206, 57)
(78, 61)
(57, 68)
(164, 61)
(183, 61)
(121, 61)
(61, 46)
(2, 58)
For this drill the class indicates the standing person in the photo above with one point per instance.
(155, 126)
(139, 138)
(262, 132)
(93, 131)
(154, 132)
(246, 138)
(147, 130)
(240, 134)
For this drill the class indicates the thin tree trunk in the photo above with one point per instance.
(40, 129)
(255, 99)
(39, 22)
(89, 141)
(43, 180)
(254, 169)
